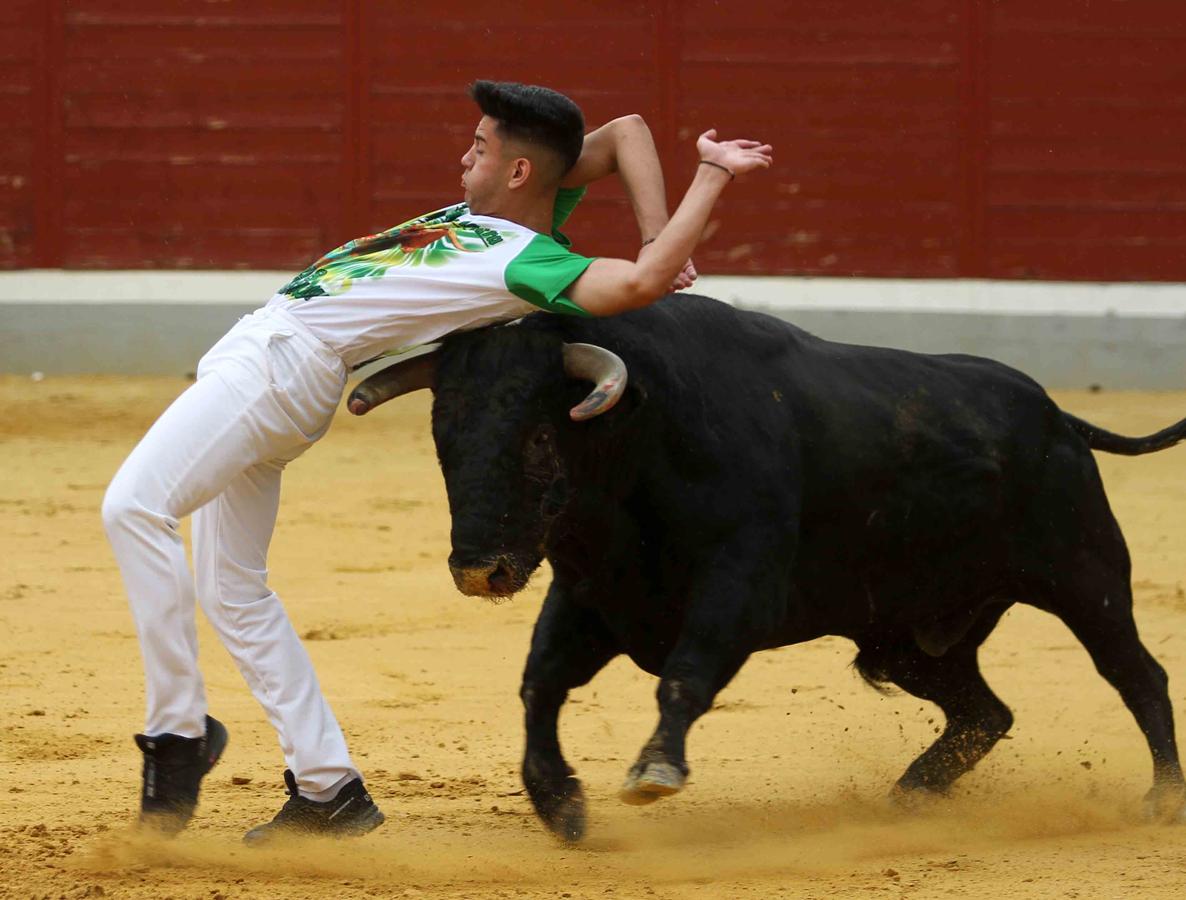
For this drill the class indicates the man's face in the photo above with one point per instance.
(484, 168)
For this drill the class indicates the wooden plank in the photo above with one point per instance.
(192, 248)
(1077, 17)
(1107, 75)
(1100, 153)
(18, 44)
(1086, 176)
(18, 149)
(453, 116)
(20, 13)
(502, 23)
(1100, 260)
(1151, 190)
(20, 53)
(14, 248)
(891, 259)
(575, 79)
(282, 44)
(177, 79)
(663, 98)
(828, 17)
(812, 117)
(779, 84)
(1113, 223)
(15, 210)
(184, 146)
(201, 197)
(1138, 118)
(17, 78)
(225, 14)
(213, 112)
(46, 231)
(973, 130)
(736, 46)
(16, 112)
(617, 43)
(356, 167)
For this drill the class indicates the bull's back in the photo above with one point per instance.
(717, 370)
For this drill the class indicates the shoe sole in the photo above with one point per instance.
(373, 821)
(266, 838)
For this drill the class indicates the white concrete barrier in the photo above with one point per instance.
(1064, 334)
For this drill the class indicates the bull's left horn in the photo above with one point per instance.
(396, 380)
(605, 369)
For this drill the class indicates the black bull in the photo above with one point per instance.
(757, 486)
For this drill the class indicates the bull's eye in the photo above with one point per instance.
(539, 452)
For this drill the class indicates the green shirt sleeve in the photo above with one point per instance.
(543, 272)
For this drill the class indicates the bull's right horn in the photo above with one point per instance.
(605, 369)
(396, 380)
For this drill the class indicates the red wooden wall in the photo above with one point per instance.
(935, 138)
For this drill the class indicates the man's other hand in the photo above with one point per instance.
(739, 156)
(685, 279)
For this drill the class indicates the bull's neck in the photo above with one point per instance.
(594, 529)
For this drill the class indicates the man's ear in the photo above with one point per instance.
(521, 169)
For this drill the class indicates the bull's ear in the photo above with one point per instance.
(632, 399)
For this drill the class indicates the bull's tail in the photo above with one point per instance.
(1101, 439)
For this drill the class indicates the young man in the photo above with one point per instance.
(268, 390)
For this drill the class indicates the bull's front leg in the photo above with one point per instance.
(569, 646)
(719, 632)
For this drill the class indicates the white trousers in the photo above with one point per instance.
(264, 393)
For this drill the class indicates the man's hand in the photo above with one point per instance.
(684, 279)
(738, 156)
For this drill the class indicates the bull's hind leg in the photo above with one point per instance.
(569, 646)
(1095, 602)
(976, 717)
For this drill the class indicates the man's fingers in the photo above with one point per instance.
(739, 155)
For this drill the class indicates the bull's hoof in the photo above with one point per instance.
(651, 781)
(562, 809)
(1165, 804)
(914, 798)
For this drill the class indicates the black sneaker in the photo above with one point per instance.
(350, 814)
(173, 770)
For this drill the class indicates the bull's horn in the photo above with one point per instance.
(396, 380)
(606, 370)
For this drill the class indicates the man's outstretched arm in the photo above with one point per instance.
(612, 286)
(624, 146)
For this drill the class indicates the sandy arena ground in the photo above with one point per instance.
(789, 772)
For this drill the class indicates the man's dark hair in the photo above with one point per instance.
(534, 114)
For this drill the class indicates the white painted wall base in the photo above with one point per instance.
(1065, 335)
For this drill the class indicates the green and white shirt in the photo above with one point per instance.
(445, 271)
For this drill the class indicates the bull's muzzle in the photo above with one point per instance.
(495, 578)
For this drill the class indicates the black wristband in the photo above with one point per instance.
(725, 169)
